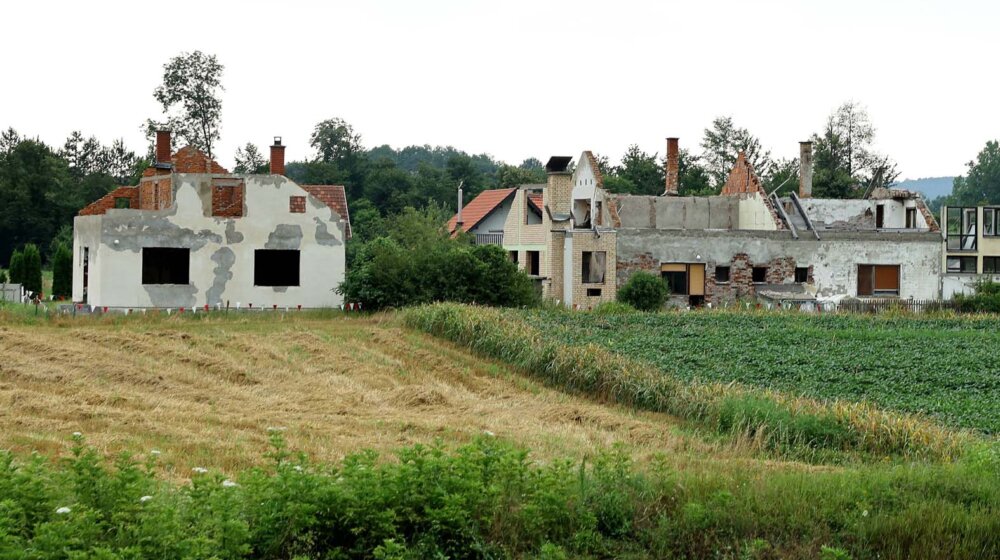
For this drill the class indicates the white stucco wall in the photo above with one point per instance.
(221, 249)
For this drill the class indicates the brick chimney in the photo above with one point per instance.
(673, 168)
(163, 147)
(805, 169)
(277, 157)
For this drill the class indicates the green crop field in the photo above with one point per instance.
(947, 368)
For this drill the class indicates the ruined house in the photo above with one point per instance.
(744, 243)
(191, 234)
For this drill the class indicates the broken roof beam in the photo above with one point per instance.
(805, 217)
(781, 210)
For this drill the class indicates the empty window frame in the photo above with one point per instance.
(960, 264)
(722, 274)
(801, 274)
(878, 280)
(880, 216)
(911, 218)
(276, 267)
(593, 292)
(759, 274)
(592, 267)
(991, 265)
(960, 228)
(123, 202)
(534, 263)
(991, 219)
(166, 265)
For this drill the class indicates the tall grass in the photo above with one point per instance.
(489, 499)
(770, 419)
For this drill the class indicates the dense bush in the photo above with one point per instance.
(26, 268)
(62, 271)
(643, 291)
(985, 300)
(418, 262)
(488, 499)
(16, 268)
(3, 277)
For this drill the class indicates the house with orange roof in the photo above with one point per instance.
(192, 235)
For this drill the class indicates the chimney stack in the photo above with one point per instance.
(673, 168)
(163, 147)
(805, 169)
(458, 220)
(277, 157)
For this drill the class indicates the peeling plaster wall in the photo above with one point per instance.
(222, 249)
(833, 261)
(755, 214)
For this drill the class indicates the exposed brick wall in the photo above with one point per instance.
(190, 160)
(297, 204)
(107, 202)
(742, 178)
(587, 241)
(155, 193)
(227, 198)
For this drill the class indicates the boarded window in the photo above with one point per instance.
(275, 267)
(163, 265)
(801, 274)
(878, 280)
(759, 274)
(960, 264)
(593, 265)
(722, 274)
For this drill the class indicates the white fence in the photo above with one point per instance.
(11, 292)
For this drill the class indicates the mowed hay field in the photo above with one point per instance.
(205, 391)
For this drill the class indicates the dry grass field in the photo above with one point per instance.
(204, 392)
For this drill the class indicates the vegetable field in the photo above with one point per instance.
(948, 368)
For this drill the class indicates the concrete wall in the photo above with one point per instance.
(834, 260)
(754, 213)
(222, 249)
(860, 214)
(687, 212)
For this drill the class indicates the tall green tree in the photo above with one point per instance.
(981, 184)
(31, 268)
(692, 175)
(643, 171)
(846, 162)
(250, 160)
(721, 146)
(784, 178)
(191, 99)
(16, 267)
(62, 271)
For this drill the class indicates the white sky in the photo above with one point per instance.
(518, 78)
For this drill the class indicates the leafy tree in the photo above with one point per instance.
(981, 185)
(388, 187)
(62, 271)
(533, 164)
(190, 97)
(462, 169)
(63, 238)
(694, 178)
(721, 146)
(250, 160)
(9, 140)
(831, 178)
(845, 160)
(643, 291)
(642, 171)
(784, 178)
(31, 268)
(509, 176)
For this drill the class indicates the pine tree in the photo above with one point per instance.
(16, 267)
(62, 271)
(31, 268)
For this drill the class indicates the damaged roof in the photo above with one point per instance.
(335, 198)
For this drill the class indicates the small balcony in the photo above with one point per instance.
(489, 238)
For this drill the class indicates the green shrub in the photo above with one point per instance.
(986, 298)
(3, 277)
(613, 308)
(31, 268)
(643, 291)
(16, 267)
(62, 271)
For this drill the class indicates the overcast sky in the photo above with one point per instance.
(519, 79)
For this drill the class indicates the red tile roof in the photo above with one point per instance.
(479, 208)
(536, 200)
(334, 197)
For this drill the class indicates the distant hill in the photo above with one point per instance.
(931, 187)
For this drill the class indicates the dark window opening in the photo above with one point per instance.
(880, 216)
(677, 281)
(513, 256)
(599, 210)
(163, 265)
(878, 280)
(533, 263)
(911, 218)
(696, 301)
(759, 274)
(123, 202)
(722, 274)
(990, 218)
(960, 265)
(593, 265)
(801, 274)
(275, 267)
(991, 265)
(593, 292)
